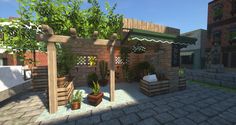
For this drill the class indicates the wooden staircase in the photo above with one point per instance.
(40, 78)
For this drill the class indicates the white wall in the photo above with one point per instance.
(11, 76)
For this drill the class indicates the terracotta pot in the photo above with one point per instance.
(95, 99)
(75, 105)
(61, 81)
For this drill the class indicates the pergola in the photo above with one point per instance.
(133, 34)
(51, 39)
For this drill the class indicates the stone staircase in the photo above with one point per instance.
(40, 78)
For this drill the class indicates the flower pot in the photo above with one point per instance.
(61, 81)
(75, 105)
(103, 82)
(95, 99)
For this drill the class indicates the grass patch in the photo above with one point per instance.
(211, 85)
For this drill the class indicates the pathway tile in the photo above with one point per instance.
(184, 121)
(149, 121)
(197, 117)
(129, 119)
(110, 122)
(146, 113)
(162, 108)
(218, 121)
(164, 117)
(178, 113)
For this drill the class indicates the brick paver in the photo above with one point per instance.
(194, 106)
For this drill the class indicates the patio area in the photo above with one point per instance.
(195, 105)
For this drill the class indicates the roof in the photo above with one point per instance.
(150, 36)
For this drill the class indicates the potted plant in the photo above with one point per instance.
(76, 100)
(103, 72)
(65, 62)
(96, 96)
(182, 80)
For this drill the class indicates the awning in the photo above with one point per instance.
(149, 36)
(186, 53)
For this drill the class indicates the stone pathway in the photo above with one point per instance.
(194, 106)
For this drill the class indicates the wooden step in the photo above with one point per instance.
(40, 80)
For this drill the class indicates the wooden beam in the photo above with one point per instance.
(53, 38)
(52, 77)
(112, 67)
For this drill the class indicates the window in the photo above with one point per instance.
(87, 60)
(225, 59)
(232, 35)
(187, 59)
(233, 60)
(3, 62)
(217, 36)
(218, 11)
(233, 11)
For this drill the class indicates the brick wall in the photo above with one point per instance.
(161, 62)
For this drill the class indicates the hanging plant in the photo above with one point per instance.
(138, 48)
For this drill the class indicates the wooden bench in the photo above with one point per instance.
(154, 88)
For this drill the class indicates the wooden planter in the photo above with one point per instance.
(75, 105)
(182, 83)
(95, 99)
(61, 81)
(155, 88)
(64, 93)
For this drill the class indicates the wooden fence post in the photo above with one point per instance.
(52, 77)
(112, 67)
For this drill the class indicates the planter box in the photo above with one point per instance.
(154, 88)
(95, 99)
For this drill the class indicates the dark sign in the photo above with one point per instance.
(175, 55)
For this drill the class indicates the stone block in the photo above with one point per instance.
(146, 113)
(131, 119)
(197, 117)
(228, 84)
(164, 117)
(149, 121)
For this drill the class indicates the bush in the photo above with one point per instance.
(92, 77)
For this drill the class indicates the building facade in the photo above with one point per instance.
(222, 30)
(193, 56)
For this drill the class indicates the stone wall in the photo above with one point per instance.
(221, 79)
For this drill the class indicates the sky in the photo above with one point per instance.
(186, 15)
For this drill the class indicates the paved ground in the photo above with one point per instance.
(194, 106)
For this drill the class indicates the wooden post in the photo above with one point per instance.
(52, 77)
(112, 67)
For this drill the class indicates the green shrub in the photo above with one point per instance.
(92, 77)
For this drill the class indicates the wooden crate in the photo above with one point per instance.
(182, 83)
(64, 94)
(155, 88)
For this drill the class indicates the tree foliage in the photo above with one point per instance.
(61, 15)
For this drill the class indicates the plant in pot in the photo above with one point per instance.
(65, 62)
(96, 96)
(182, 80)
(76, 100)
(103, 68)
